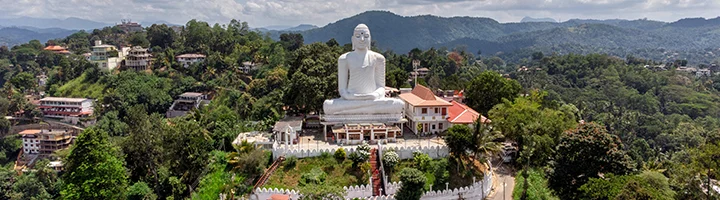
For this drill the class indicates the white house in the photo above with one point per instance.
(188, 59)
(426, 113)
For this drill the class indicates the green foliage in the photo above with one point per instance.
(95, 170)
(489, 89)
(413, 182)
(537, 186)
(315, 176)
(459, 140)
(650, 184)
(9, 147)
(584, 153)
(340, 154)
(290, 162)
(323, 191)
(140, 191)
(81, 87)
(23, 81)
(421, 160)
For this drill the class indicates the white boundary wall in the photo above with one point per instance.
(434, 152)
(478, 190)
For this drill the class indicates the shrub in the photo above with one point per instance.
(340, 154)
(364, 147)
(421, 160)
(290, 162)
(325, 155)
(315, 176)
(390, 159)
(413, 182)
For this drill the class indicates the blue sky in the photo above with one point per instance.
(261, 13)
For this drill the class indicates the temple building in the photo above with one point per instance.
(357, 133)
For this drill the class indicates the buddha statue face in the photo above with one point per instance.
(361, 37)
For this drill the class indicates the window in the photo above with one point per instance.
(444, 111)
(436, 110)
(440, 126)
(424, 111)
(433, 126)
(25, 144)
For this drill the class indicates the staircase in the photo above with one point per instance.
(269, 172)
(377, 182)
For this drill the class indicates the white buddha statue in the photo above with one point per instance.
(361, 81)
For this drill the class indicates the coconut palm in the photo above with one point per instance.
(485, 136)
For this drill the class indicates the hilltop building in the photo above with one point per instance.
(66, 109)
(185, 103)
(138, 59)
(105, 56)
(186, 60)
(129, 27)
(57, 49)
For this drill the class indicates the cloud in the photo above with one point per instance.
(320, 12)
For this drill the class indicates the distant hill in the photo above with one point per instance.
(530, 19)
(617, 37)
(10, 36)
(71, 23)
(301, 27)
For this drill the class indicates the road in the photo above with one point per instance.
(504, 182)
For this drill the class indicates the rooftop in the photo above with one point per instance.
(64, 99)
(422, 96)
(460, 113)
(294, 122)
(30, 132)
(54, 48)
(191, 94)
(190, 55)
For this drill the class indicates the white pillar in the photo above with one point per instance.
(325, 132)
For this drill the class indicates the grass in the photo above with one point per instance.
(338, 173)
(459, 177)
(537, 186)
(80, 88)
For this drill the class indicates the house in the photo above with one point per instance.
(186, 102)
(46, 141)
(287, 130)
(66, 109)
(460, 113)
(138, 59)
(703, 72)
(259, 139)
(105, 56)
(186, 60)
(57, 49)
(426, 113)
(247, 66)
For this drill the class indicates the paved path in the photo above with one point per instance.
(504, 182)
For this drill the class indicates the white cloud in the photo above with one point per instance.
(320, 12)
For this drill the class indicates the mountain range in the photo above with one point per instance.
(618, 37)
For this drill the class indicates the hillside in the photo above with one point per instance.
(10, 36)
(401, 34)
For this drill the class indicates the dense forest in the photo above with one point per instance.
(591, 126)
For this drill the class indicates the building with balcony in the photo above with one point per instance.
(187, 60)
(185, 103)
(138, 59)
(426, 113)
(66, 109)
(46, 141)
(105, 56)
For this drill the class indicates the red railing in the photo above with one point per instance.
(268, 172)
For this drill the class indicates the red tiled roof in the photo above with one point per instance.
(54, 48)
(460, 113)
(422, 96)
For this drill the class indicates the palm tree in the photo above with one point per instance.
(485, 136)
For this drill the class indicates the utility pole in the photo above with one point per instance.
(416, 64)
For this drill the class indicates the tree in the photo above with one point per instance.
(489, 89)
(293, 41)
(139, 39)
(94, 170)
(140, 191)
(23, 81)
(160, 36)
(413, 182)
(313, 78)
(28, 187)
(584, 153)
(484, 140)
(186, 149)
(111, 123)
(459, 139)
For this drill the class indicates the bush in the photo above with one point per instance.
(413, 182)
(421, 160)
(140, 191)
(364, 147)
(315, 176)
(390, 159)
(290, 162)
(325, 155)
(340, 154)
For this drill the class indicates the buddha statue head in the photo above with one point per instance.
(361, 38)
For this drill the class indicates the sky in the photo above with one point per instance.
(263, 13)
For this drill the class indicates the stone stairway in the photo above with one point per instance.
(269, 172)
(375, 169)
